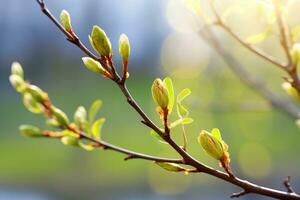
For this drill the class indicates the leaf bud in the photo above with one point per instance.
(100, 41)
(160, 94)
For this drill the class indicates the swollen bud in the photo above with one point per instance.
(211, 145)
(18, 83)
(160, 94)
(16, 69)
(69, 140)
(93, 65)
(38, 94)
(124, 48)
(80, 116)
(66, 20)
(100, 41)
(31, 104)
(290, 90)
(30, 131)
(60, 116)
(214, 146)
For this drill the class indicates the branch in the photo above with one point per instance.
(253, 49)
(187, 159)
(290, 68)
(253, 82)
(108, 146)
(239, 194)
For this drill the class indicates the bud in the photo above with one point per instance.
(60, 116)
(93, 65)
(80, 116)
(124, 48)
(30, 131)
(211, 145)
(18, 83)
(295, 52)
(69, 140)
(16, 69)
(160, 93)
(38, 94)
(100, 41)
(66, 20)
(31, 104)
(290, 90)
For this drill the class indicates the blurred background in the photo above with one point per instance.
(264, 143)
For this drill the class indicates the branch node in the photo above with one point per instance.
(130, 156)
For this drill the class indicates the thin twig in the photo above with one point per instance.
(189, 160)
(287, 184)
(239, 194)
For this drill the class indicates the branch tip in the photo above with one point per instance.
(287, 184)
(239, 194)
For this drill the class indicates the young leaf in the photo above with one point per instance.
(170, 166)
(96, 105)
(87, 147)
(169, 84)
(154, 134)
(182, 111)
(96, 128)
(183, 94)
(254, 39)
(181, 121)
(216, 133)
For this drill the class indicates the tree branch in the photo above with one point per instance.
(188, 159)
(290, 68)
(253, 82)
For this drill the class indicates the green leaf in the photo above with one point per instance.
(216, 133)
(157, 136)
(87, 147)
(96, 128)
(170, 166)
(182, 111)
(254, 39)
(169, 84)
(183, 94)
(181, 121)
(96, 105)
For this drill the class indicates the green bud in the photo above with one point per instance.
(291, 91)
(38, 94)
(211, 145)
(93, 65)
(16, 69)
(124, 47)
(60, 116)
(31, 104)
(295, 52)
(80, 116)
(69, 140)
(160, 93)
(66, 20)
(100, 41)
(18, 83)
(30, 131)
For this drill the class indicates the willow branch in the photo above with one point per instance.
(187, 158)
